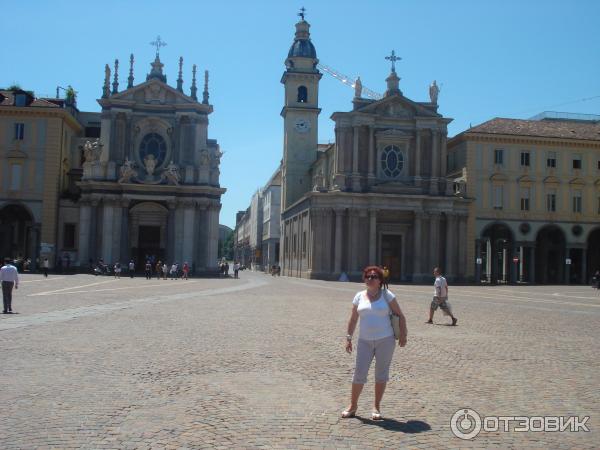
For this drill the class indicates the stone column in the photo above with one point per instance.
(450, 245)
(189, 216)
(339, 217)
(372, 236)
(443, 156)
(418, 245)
(462, 246)
(434, 240)
(435, 156)
(355, 173)
(85, 217)
(371, 175)
(125, 244)
(354, 237)
(418, 175)
(339, 178)
(172, 205)
(213, 235)
(107, 231)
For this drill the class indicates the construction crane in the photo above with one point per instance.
(349, 81)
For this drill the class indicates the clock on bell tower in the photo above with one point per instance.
(300, 115)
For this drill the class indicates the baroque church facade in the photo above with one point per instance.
(149, 184)
(379, 194)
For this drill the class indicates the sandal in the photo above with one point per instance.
(376, 415)
(348, 413)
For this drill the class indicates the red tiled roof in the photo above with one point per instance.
(563, 129)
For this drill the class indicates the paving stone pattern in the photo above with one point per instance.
(94, 362)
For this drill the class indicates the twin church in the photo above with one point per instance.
(378, 195)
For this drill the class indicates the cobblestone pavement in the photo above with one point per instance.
(94, 362)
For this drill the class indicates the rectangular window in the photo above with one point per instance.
(577, 162)
(577, 202)
(525, 159)
(599, 164)
(69, 236)
(498, 156)
(598, 205)
(525, 199)
(551, 160)
(551, 201)
(15, 177)
(498, 197)
(20, 100)
(19, 131)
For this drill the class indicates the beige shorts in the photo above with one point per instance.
(380, 349)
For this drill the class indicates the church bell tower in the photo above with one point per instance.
(300, 114)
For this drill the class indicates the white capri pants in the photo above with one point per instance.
(382, 350)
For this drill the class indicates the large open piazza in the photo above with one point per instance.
(95, 362)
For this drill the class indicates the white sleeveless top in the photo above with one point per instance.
(374, 316)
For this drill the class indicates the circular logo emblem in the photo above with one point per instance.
(465, 423)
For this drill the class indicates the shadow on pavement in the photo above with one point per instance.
(410, 426)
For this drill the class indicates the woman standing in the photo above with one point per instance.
(375, 339)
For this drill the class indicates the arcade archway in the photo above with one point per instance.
(497, 253)
(17, 241)
(593, 254)
(550, 256)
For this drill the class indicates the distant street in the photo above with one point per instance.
(95, 362)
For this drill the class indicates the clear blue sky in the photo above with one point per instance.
(492, 59)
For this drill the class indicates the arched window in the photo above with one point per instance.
(153, 144)
(392, 161)
(302, 94)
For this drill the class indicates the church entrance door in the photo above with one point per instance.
(149, 245)
(391, 254)
(148, 232)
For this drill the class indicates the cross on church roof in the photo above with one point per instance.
(158, 43)
(302, 12)
(393, 58)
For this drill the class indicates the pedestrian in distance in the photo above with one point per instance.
(159, 267)
(131, 268)
(236, 269)
(440, 297)
(373, 306)
(45, 265)
(173, 271)
(165, 270)
(9, 276)
(117, 269)
(185, 270)
(148, 270)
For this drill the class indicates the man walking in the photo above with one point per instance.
(45, 265)
(9, 276)
(440, 297)
(131, 268)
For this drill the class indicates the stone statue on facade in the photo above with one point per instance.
(434, 90)
(358, 88)
(204, 158)
(171, 173)
(92, 151)
(216, 159)
(150, 164)
(127, 171)
(319, 181)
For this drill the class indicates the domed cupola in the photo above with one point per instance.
(302, 46)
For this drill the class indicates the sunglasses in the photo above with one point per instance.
(372, 276)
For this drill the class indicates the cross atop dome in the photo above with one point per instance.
(393, 58)
(158, 43)
(302, 12)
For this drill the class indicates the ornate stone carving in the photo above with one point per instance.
(434, 90)
(171, 174)
(91, 150)
(150, 164)
(127, 171)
